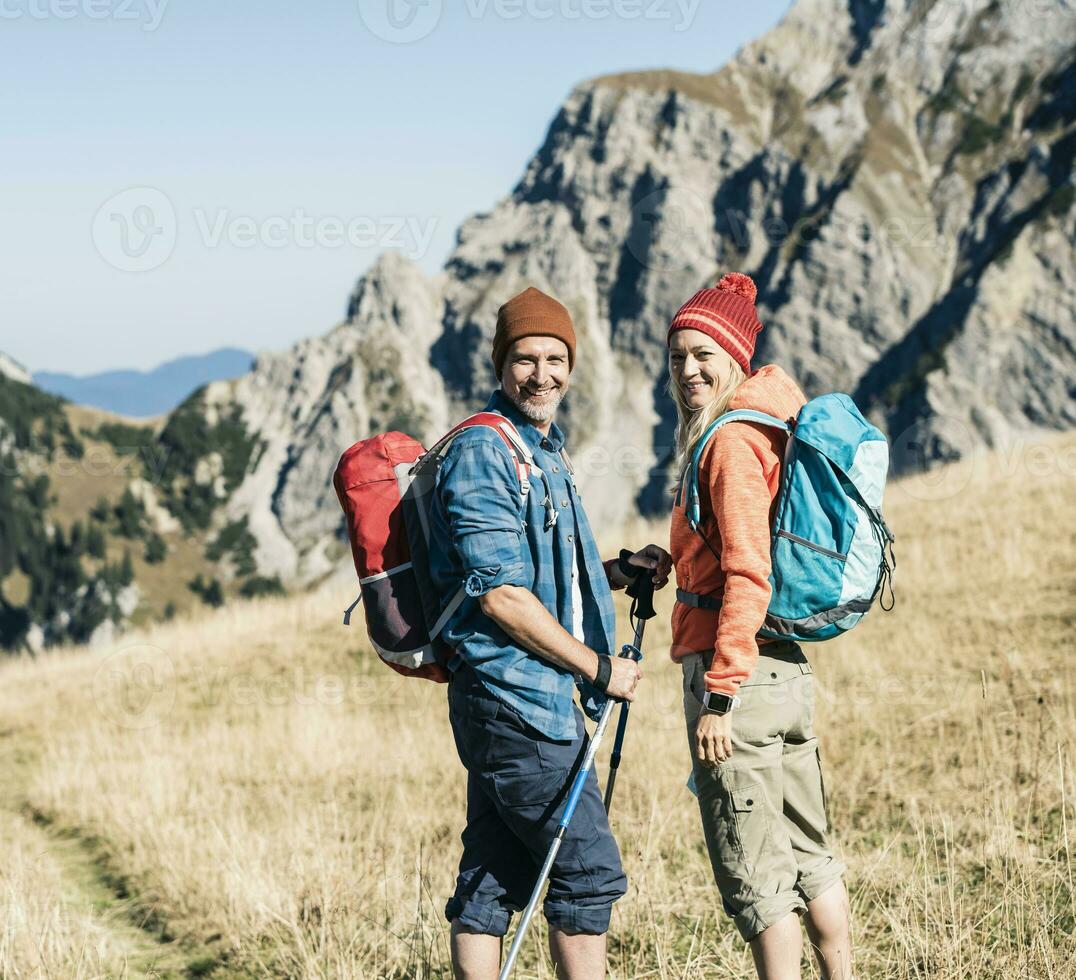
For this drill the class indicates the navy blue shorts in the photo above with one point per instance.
(517, 784)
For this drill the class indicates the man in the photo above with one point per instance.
(540, 620)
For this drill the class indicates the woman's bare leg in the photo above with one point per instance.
(777, 950)
(830, 930)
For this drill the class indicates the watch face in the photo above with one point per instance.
(718, 702)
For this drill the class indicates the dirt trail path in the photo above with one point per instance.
(93, 888)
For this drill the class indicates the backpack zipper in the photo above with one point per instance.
(811, 545)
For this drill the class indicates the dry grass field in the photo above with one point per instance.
(248, 794)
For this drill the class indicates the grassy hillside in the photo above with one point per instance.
(247, 794)
(106, 522)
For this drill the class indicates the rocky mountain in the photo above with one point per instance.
(10, 368)
(142, 394)
(897, 178)
(896, 175)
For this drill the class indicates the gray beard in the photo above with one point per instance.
(540, 414)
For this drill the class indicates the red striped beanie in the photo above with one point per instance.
(726, 313)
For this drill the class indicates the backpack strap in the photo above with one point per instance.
(522, 457)
(692, 506)
(522, 460)
(453, 604)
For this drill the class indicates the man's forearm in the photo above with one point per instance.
(519, 613)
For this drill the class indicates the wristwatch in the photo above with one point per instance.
(720, 704)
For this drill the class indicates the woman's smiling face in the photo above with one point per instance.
(698, 366)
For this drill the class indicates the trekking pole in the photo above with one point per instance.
(573, 799)
(641, 590)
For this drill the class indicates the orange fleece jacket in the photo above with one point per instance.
(739, 476)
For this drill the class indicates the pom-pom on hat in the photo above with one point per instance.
(725, 313)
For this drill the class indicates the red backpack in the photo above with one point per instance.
(385, 486)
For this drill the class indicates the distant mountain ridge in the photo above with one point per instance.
(141, 394)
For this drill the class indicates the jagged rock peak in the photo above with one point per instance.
(10, 368)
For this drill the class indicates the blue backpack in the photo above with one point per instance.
(828, 546)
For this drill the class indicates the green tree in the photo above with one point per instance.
(126, 569)
(156, 550)
(94, 543)
(260, 585)
(210, 592)
(130, 515)
(100, 511)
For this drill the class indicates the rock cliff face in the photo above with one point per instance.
(10, 368)
(897, 178)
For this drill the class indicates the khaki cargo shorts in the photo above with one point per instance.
(764, 811)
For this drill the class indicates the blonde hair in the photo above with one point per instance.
(692, 423)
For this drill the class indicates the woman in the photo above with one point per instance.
(755, 756)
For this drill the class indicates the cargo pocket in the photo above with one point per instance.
(535, 789)
(749, 821)
(736, 824)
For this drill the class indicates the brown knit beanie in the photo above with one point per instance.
(532, 313)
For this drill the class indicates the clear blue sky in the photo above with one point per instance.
(270, 111)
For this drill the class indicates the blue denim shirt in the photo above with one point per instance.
(480, 536)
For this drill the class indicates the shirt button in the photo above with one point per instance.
(556, 469)
(564, 503)
(571, 537)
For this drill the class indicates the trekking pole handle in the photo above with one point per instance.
(641, 589)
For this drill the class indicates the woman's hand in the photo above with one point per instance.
(713, 738)
(657, 559)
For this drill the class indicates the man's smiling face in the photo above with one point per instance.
(535, 377)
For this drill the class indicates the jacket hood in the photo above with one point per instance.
(771, 390)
